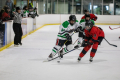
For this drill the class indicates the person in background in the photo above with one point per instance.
(30, 5)
(17, 27)
(14, 8)
(92, 16)
(31, 12)
(25, 11)
(9, 3)
(35, 12)
(1, 12)
(5, 16)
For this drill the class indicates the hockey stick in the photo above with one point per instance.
(59, 55)
(63, 54)
(113, 28)
(75, 41)
(109, 43)
(72, 44)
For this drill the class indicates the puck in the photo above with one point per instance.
(58, 61)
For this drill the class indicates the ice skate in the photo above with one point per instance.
(61, 53)
(79, 58)
(16, 45)
(91, 59)
(50, 56)
(78, 45)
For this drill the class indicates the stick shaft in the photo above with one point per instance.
(109, 43)
(113, 28)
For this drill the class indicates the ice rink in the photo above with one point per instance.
(26, 62)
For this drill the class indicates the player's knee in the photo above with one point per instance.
(70, 47)
(57, 47)
(87, 47)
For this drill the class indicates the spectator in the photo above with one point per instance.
(14, 8)
(30, 5)
(17, 27)
(25, 11)
(6, 15)
(9, 3)
(31, 13)
(35, 12)
(2, 29)
(1, 12)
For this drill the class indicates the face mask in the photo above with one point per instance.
(87, 29)
(87, 21)
(72, 23)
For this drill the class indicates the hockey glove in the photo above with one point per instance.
(79, 29)
(84, 43)
(68, 37)
(70, 31)
(90, 42)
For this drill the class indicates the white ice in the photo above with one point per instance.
(26, 62)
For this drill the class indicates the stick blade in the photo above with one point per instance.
(114, 45)
(110, 28)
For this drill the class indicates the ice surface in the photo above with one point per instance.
(26, 62)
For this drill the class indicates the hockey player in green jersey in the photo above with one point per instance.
(82, 27)
(64, 36)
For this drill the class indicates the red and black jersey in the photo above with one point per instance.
(94, 33)
(92, 16)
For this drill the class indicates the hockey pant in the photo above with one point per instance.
(59, 44)
(94, 48)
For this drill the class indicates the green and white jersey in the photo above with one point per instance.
(25, 13)
(65, 27)
(82, 23)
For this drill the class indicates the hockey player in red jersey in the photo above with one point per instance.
(92, 16)
(93, 37)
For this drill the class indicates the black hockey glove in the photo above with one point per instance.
(79, 29)
(84, 43)
(68, 37)
(90, 42)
